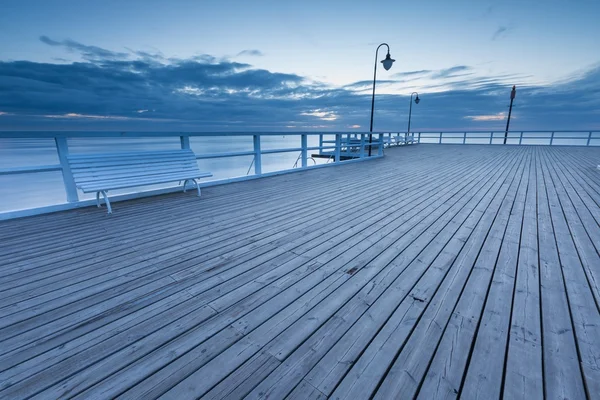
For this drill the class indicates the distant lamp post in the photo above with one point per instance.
(417, 100)
(513, 93)
(387, 64)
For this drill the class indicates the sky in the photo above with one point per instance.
(257, 65)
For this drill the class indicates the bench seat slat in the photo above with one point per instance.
(109, 163)
(132, 158)
(83, 174)
(117, 179)
(122, 184)
(108, 182)
(105, 156)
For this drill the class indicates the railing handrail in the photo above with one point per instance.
(340, 149)
(132, 134)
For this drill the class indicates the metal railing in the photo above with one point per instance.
(332, 146)
(549, 138)
(335, 146)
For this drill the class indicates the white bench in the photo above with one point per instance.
(103, 172)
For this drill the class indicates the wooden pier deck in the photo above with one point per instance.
(439, 271)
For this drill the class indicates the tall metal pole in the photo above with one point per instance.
(409, 114)
(373, 97)
(410, 110)
(513, 93)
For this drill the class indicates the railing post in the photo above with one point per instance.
(338, 147)
(551, 138)
(257, 156)
(419, 137)
(465, 138)
(589, 139)
(63, 152)
(440, 138)
(521, 138)
(491, 137)
(321, 143)
(304, 143)
(380, 150)
(185, 142)
(362, 145)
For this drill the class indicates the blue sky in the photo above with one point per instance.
(277, 65)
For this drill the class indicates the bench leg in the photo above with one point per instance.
(98, 199)
(108, 207)
(195, 182)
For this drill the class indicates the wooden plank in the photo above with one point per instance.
(524, 373)
(410, 366)
(79, 294)
(450, 362)
(244, 379)
(193, 356)
(584, 311)
(583, 227)
(218, 216)
(562, 373)
(267, 270)
(190, 356)
(326, 374)
(247, 188)
(298, 362)
(306, 391)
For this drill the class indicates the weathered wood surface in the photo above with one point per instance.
(440, 271)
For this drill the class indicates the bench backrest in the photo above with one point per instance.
(91, 168)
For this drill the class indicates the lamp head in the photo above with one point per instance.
(387, 63)
(513, 92)
(417, 100)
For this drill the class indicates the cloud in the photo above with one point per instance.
(451, 72)
(87, 52)
(322, 115)
(147, 91)
(412, 73)
(500, 32)
(369, 84)
(494, 117)
(84, 116)
(252, 53)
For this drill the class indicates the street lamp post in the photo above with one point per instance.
(387, 64)
(410, 111)
(513, 93)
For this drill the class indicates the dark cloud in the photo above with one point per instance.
(452, 72)
(412, 73)
(500, 32)
(147, 91)
(87, 52)
(253, 53)
(369, 84)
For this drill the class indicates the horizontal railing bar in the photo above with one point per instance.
(27, 170)
(220, 155)
(97, 134)
(274, 151)
(103, 134)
